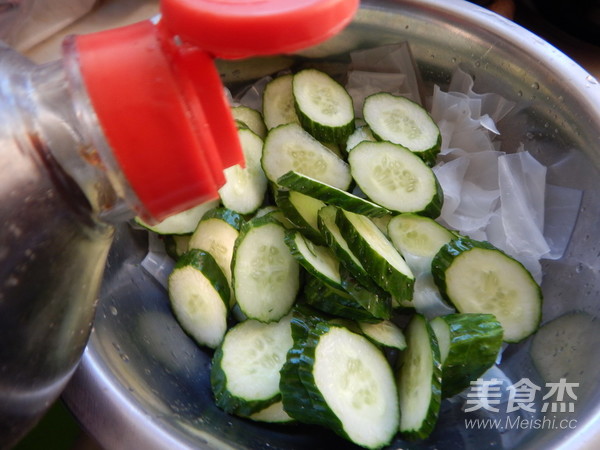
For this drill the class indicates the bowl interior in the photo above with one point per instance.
(147, 381)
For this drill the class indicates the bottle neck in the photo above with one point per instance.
(56, 111)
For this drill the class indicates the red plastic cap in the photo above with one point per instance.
(160, 111)
(159, 98)
(245, 28)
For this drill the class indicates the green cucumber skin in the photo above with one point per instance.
(347, 259)
(227, 401)
(371, 297)
(475, 340)
(428, 156)
(436, 386)
(282, 199)
(396, 283)
(205, 263)
(330, 195)
(324, 133)
(444, 258)
(228, 216)
(335, 302)
(290, 240)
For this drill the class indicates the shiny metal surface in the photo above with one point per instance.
(143, 383)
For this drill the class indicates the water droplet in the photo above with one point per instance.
(520, 93)
(114, 311)
(591, 79)
(535, 85)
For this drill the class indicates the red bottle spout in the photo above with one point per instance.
(159, 99)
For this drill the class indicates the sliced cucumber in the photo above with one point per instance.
(395, 178)
(245, 368)
(245, 187)
(199, 297)
(477, 277)
(377, 254)
(419, 380)
(216, 234)
(323, 106)
(184, 222)
(289, 147)
(402, 121)
(340, 303)
(273, 413)
(385, 333)
(266, 277)
(278, 102)
(362, 133)
(176, 244)
(348, 385)
(418, 239)
(251, 118)
(302, 211)
(316, 259)
(339, 246)
(330, 194)
(469, 345)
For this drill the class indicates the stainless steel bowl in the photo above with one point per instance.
(143, 383)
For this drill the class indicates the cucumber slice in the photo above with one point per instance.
(477, 277)
(419, 380)
(395, 178)
(176, 244)
(316, 259)
(334, 239)
(252, 118)
(377, 254)
(330, 194)
(469, 345)
(289, 147)
(245, 369)
(266, 277)
(385, 333)
(348, 384)
(278, 102)
(323, 106)
(272, 414)
(362, 133)
(199, 297)
(402, 121)
(184, 222)
(418, 239)
(302, 211)
(340, 303)
(216, 234)
(245, 187)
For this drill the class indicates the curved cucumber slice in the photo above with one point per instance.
(289, 147)
(469, 345)
(418, 239)
(330, 194)
(348, 385)
(385, 333)
(419, 380)
(402, 121)
(316, 259)
(395, 178)
(266, 276)
(323, 106)
(377, 254)
(245, 187)
(278, 102)
(199, 296)
(245, 369)
(184, 222)
(477, 277)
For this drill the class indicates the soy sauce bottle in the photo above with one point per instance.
(129, 122)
